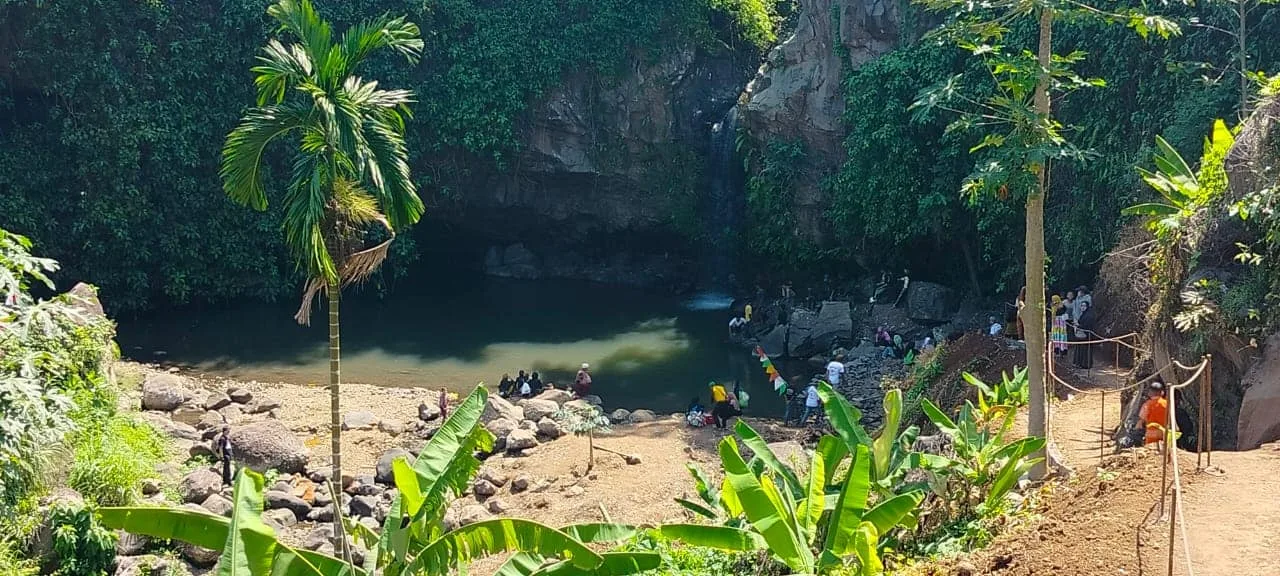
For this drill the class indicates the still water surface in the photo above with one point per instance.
(457, 329)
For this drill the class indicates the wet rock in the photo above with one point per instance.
(150, 486)
(164, 392)
(384, 472)
(216, 504)
(216, 400)
(239, 395)
(620, 416)
(269, 445)
(774, 342)
(643, 416)
(211, 422)
(536, 409)
(521, 439)
(276, 499)
(359, 420)
(428, 412)
(231, 413)
(199, 484)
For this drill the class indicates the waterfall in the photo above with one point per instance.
(722, 207)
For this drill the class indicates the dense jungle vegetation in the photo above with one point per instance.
(895, 198)
(120, 107)
(112, 114)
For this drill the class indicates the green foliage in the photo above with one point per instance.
(12, 563)
(1010, 393)
(112, 459)
(128, 104)
(83, 546)
(51, 355)
(772, 230)
(685, 560)
(1181, 189)
(986, 467)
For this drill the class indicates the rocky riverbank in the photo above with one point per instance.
(281, 429)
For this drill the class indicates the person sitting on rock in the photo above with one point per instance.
(526, 390)
(535, 382)
(582, 382)
(521, 378)
(506, 386)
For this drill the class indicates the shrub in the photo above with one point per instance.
(12, 564)
(83, 546)
(112, 459)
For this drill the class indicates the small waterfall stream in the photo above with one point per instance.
(721, 212)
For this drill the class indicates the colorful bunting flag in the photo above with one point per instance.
(779, 383)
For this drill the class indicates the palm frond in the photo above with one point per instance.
(280, 67)
(388, 173)
(301, 18)
(384, 31)
(242, 153)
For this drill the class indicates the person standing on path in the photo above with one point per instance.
(443, 401)
(1083, 332)
(721, 409)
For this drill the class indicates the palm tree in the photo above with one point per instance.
(350, 173)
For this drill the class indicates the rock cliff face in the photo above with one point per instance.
(796, 95)
(604, 170)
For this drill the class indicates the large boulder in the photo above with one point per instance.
(521, 439)
(164, 392)
(536, 409)
(359, 420)
(384, 473)
(501, 427)
(812, 334)
(267, 445)
(497, 407)
(620, 416)
(774, 342)
(1260, 409)
(277, 499)
(555, 395)
(799, 332)
(640, 416)
(550, 428)
(85, 298)
(199, 485)
(929, 302)
(428, 411)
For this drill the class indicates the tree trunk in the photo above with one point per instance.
(971, 267)
(1033, 311)
(591, 451)
(1243, 9)
(335, 416)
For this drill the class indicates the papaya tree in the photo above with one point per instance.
(350, 175)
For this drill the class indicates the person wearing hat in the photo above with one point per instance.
(582, 382)
(721, 411)
(1155, 415)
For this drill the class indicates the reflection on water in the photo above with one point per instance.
(458, 329)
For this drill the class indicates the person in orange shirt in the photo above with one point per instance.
(1155, 414)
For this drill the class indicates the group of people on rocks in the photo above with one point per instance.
(530, 385)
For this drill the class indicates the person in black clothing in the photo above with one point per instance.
(222, 447)
(535, 382)
(506, 386)
(1084, 331)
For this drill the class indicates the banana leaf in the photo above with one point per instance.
(851, 506)
(491, 537)
(882, 446)
(717, 537)
(844, 417)
(771, 461)
(763, 511)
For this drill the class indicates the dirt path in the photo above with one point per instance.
(1233, 518)
(1080, 429)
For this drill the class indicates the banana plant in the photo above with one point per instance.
(249, 547)
(1010, 393)
(790, 527)
(987, 466)
(890, 448)
(615, 563)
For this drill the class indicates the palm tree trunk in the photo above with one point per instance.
(1033, 311)
(335, 417)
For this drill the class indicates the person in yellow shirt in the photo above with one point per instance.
(746, 312)
(721, 410)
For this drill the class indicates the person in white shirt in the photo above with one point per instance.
(835, 370)
(996, 328)
(812, 404)
(526, 391)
